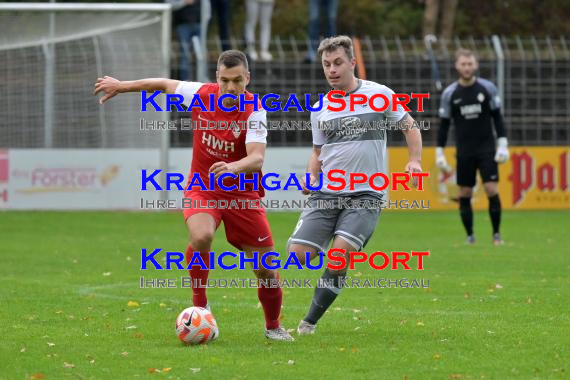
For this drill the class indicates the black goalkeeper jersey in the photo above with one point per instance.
(471, 109)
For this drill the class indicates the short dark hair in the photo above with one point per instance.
(232, 58)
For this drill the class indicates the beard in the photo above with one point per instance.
(467, 77)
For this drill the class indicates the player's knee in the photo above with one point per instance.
(300, 252)
(491, 189)
(465, 192)
(201, 240)
(264, 273)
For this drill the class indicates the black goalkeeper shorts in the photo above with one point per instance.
(467, 167)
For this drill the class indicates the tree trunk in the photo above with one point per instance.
(430, 16)
(448, 18)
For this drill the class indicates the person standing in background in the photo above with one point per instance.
(222, 9)
(261, 10)
(315, 7)
(186, 21)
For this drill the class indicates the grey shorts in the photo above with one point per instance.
(354, 221)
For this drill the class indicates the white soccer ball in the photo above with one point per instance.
(196, 325)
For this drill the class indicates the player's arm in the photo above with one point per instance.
(411, 133)
(255, 143)
(111, 86)
(414, 141)
(249, 164)
(502, 154)
(443, 131)
(314, 167)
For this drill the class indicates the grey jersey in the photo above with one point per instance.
(356, 142)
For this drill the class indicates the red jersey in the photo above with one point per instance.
(219, 135)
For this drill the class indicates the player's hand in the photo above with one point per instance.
(440, 160)
(304, 184)
(412, 167)
(221, 167)
(109, 86)
(502, 154)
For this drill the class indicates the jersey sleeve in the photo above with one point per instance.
(391, 115)
(445, 106)
(187, 90)
(256, 128)
(494, 97)
(319, 138)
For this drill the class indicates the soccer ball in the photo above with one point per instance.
(196, 325)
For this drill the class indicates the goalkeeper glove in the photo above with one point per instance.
(502, 154)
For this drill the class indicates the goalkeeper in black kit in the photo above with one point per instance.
(472, 103)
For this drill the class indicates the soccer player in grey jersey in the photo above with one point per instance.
(473, 103)
(352, 144)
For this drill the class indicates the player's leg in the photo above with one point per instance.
(252, 13)
(248, 230)
(327, 290)
(314, 229)
(353, 229)
(270, 295)
(201, 225)
(466, 178)
(266, 12)
(311, 237)
(489, 171)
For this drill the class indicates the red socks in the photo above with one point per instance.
(200, 275)
(271, 300)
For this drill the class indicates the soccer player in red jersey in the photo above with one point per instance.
(219, 151)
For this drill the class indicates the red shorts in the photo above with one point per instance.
(244, 225)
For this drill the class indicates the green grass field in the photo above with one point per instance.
(490, 313)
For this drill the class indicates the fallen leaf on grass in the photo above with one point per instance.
(290, 362)
(420, 323)
(23, 349)
(456, 376)
(195, 370)
(354, 349)
(131, 327)
(133, 304)
(68, 365)
(37, 376)
(50, 344)
(106, 274)
(167, 369)
(436, 356)
(153, 370)
(124, 354)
